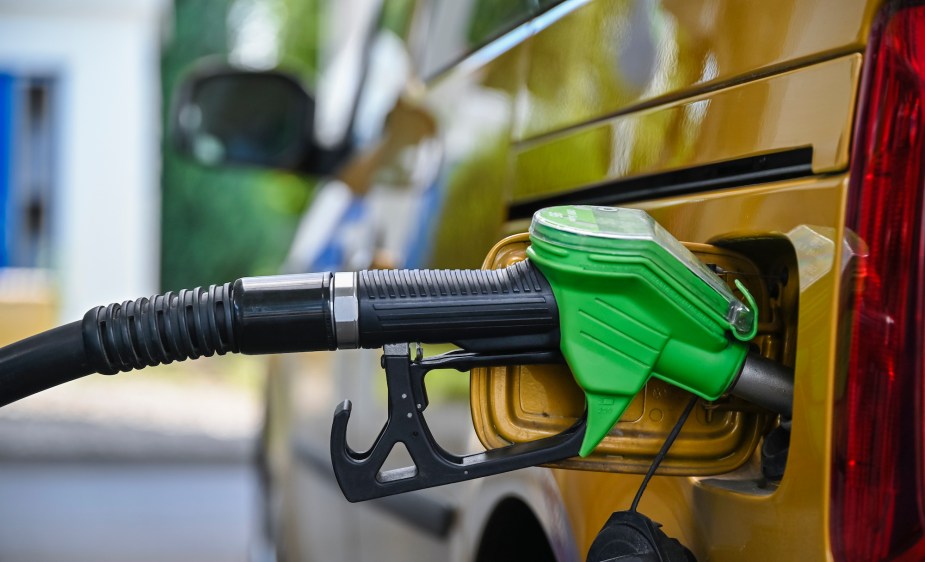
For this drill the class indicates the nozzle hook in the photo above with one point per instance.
(360, 474)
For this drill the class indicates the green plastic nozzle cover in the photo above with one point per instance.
(634, 303)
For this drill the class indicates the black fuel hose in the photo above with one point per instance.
(498, 310)
(41, 362)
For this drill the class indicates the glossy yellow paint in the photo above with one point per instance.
(726, 80)
(731, 518)
(618, 56)
(522, 403)
(807, 107)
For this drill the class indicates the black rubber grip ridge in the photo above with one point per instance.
(152, 331)
(476, 309)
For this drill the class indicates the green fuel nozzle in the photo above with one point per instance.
(606, 290)
(634, 303)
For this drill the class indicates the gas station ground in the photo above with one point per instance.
(155, 465)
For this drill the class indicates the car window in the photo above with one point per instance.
(458, 27)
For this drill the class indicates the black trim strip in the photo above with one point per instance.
(428, 515)
(751, 170)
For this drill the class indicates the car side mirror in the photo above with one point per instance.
(226, 116)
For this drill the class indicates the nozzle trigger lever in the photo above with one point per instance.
(360, 474)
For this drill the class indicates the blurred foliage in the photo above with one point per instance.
(301, 36)
(396, 16)
(493, 18)
(222, 223)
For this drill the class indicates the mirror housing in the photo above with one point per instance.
(227, 116)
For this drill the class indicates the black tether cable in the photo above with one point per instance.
(663, 452)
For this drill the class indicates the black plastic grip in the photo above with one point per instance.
(478, 310)
(161, 329)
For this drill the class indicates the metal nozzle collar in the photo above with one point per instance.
(346, 310)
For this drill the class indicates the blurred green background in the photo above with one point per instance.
(220, 223)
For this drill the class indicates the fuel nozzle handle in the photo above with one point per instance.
(496, 310)
(506, 308)
(500, 310)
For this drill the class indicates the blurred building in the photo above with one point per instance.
(79, 156)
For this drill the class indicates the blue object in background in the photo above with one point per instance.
(333, 256)
(6, 160)
(424, 233)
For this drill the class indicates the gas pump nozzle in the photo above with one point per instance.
(605, 290)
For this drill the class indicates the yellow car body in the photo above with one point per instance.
(729, 121)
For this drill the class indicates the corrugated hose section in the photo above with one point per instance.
(164, 328)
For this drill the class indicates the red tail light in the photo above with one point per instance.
(877, 496)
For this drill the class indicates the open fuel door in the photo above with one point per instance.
(522, 403)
